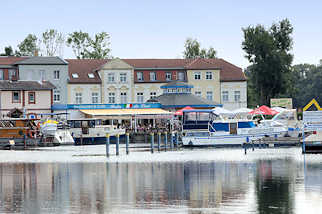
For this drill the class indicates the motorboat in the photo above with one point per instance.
(205, 128)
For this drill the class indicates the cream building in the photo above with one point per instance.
(234, 95)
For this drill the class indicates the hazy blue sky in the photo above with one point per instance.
(158, 29)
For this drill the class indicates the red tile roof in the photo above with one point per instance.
(9, 60)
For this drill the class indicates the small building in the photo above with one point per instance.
(28, 96)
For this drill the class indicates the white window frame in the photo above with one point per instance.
(75, 75)
(12, 73)
(1, 74)
(95, 97)
(91, 75)
(111, 77)
(225, 96)
(78, 97)
(140, 97)
(123, 96)
(210, 95)
(237, 96)
(139, 76)
(56, 96)
(197, 75)
(209, 75)
(168, 76)
(153, 76)
(56, 74)
(111, 97)
(181, 76)
(198, 93)
(123, 77)
(153, 95)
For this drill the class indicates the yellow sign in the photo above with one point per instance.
(282, 102)
(312, 102)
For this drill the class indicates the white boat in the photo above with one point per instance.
(92, 131)
(205, 128)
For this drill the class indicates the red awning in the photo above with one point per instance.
(264, 110)
(179, 112)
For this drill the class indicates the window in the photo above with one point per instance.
(56, 75)
(110, 77)
(91, 76)
(225, 96)
(168, 76)
(42, 75)
(237, 96)
(75, 76)
(153, 95)
(122, 77)
(153, 76)
(94, 97)
(209, 95)
(198, 93)
(197, 75)
(139, 76)
(181, 76)
(16, 97)
(56, 95)
(12, 73)
(1, 74)
(31, 97)
(140, 97)
(123, 97)
(111, 97)
(78, 97)
(208, 75)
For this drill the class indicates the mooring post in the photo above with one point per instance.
(246, 144)
(165, 141)
(171, 141)
(24, 141)
(107, 145)
(152, 142)
(117, 144)
(253, 145)
(159, 141)
(177, 139)
(303, 143)
(127, 143)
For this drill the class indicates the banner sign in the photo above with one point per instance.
(105, 106)
(282, 102)
(312, 120)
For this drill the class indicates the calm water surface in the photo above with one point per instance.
(280, 185)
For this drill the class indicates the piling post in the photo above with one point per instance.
(117, 144)
(177, 139)
(107, 145)
(246, 144)
(24, 141)
(253, 145)
(152, 142)
(171, 141)
(165, 141)
(127, 143)
(303, 143)
(159, 141)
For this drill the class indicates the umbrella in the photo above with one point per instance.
(279, 109)
(264, 110)
(179, 112)
(219, 110)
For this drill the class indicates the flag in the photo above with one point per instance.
(127, 106)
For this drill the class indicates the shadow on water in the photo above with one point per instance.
(264, 186)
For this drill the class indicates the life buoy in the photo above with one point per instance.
(32, 133)
(32, 116)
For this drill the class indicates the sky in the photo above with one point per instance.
(158, 29)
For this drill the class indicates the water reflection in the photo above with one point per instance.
(265, 186)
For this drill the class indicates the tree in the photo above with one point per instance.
(8, 51)
(28, 47)
(269, 52)
(79, 41)
(53, 41)
(193, 50)
(98, 48)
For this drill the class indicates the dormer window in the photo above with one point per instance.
(139, 76)
(75, 76)
(91, 76)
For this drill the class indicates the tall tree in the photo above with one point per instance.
(8, 51)
(53, 42)
(193, 50)
(269, 52)
(28, 47)
(99, 46)
(79, 41)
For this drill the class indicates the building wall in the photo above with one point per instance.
(146, 89)
(34, 72)
(203, 85)
(160, 75)
(231, 87)
(86, 90)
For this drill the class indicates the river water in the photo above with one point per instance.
(82, 180)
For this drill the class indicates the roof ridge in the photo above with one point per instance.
(229, 63)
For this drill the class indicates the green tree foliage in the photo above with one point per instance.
(269, 52)
(79, 42)
(28, 47)
(193, 50)
(53, 42)
(8, 51)
(92, 48)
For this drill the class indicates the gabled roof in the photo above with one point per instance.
(6, 85)
(83, 67)
(42, 60)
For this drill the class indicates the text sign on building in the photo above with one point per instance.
(312, 120)
(282, 102)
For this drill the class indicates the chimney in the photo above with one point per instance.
(36, 52)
